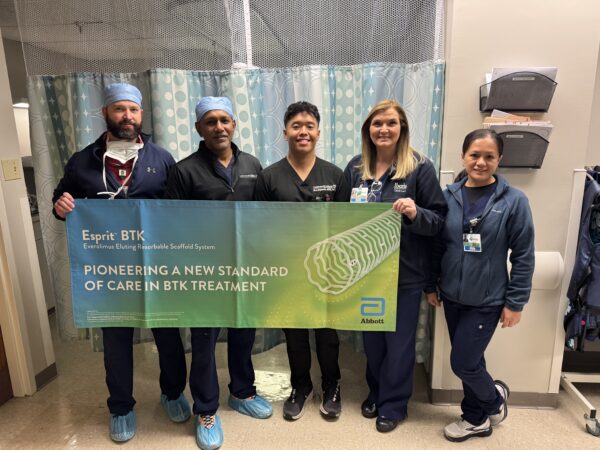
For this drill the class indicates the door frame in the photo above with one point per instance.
(5, 395)
(12, 318)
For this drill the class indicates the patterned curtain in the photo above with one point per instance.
(65, 116)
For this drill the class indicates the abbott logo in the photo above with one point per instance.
(372, 307)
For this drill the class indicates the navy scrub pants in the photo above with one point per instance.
(471, 329)
(391, 358)
(204, 382)
(299, 357)
(118, 362)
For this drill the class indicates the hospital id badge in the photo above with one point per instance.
(359, 195)
(472, 242)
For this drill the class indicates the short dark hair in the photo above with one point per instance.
(483, 133)
(300, 107)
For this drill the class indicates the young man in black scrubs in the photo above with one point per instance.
(303, 177)
(218, 171)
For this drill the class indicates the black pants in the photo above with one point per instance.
(204, 382)
(471, 329)
(118, 362)
(298, 349)
(391, 358)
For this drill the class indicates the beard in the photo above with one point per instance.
(118, 129)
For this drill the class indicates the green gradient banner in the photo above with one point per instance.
(171, 263)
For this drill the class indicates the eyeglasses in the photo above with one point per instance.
(374, 191)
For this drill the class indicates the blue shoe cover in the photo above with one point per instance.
(209, 434)
(122, 428)
(178, 410)
(256, 406)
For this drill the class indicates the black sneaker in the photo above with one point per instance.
(331, 406)
(294, 406)
(369, 409)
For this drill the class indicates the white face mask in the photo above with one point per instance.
(122, 151)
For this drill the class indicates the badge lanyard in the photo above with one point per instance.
(367, 194)
(472, 241)
(374, 191)
(122, 152)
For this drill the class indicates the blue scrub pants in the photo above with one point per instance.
(471, 329)
(118, 362)
(204, 382)
(391, 358)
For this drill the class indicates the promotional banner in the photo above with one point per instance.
(173, 263)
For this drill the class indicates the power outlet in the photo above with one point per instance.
(11, 169)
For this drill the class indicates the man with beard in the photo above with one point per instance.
(125, 163)
(218, 171)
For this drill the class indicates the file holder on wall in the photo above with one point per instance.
(518, 91)
(523, 149)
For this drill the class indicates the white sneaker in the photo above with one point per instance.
(502, 388)
(461, 430)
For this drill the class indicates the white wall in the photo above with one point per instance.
(17, 73)
(593, 147)
(22, 124)
(19, 246)
(515, 33)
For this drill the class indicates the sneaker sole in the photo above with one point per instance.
(504, 386)
(507, 391)
(328, 415)
(482, 433)
(301, 413)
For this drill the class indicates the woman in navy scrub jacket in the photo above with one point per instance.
(389, 170)
(486, 218)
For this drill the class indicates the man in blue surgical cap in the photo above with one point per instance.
(218, 171)
(125, 163)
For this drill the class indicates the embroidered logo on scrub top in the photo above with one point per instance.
(325, 188)
(399, 187)
(324, 193)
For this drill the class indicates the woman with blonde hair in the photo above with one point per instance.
(390, 170)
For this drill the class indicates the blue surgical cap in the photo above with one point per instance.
(211, 103)
(122, 91)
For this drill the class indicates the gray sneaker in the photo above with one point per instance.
(294, 406)
(331, 406)
(504, 392)
(461, 430)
